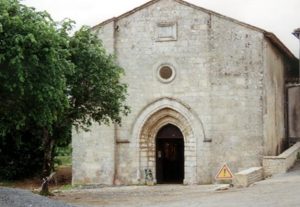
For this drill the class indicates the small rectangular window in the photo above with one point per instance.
(166, 31)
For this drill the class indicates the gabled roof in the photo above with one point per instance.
(269, 35)
(149, 3)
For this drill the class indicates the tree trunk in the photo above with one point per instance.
(45, 185)
(48, 144)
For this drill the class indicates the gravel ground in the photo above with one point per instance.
(21, 198)
(279, 191)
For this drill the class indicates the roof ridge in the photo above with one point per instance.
(126, 13)
(274, 39)
(271, 36)
(220, 15)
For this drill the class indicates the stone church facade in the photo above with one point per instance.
(204, 90)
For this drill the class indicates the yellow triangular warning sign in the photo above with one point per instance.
(224, 173)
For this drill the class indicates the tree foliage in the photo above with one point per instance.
(34, 62)
(50, 81)
(94, 88)
(20, 156)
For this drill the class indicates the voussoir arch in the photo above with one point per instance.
(158, 114)
(171, 103)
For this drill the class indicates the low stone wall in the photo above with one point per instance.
(248, 177)
(282, 163)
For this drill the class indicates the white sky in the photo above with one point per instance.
(278, 16)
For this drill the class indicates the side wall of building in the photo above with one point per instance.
(93, 156)
(93, 151)
(274, 100)
(294, 111)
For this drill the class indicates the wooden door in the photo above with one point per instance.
(169, 155)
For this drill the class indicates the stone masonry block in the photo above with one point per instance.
(248, 177)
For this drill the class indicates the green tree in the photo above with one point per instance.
(50, 81)
(34, 62)
(94, 90)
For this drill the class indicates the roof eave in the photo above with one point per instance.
(104, 23)
(125, 14)
(279, 45)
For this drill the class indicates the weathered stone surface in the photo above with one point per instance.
(93, 156)
(274, 165)
(293, 110)
(226, 96)
(248, 177)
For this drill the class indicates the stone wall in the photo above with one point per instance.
(273, 99)
(107, 36)
(248, 177)
(281, 164)
(236, 80)
(294, 111)
(94, 152)
(93, 157)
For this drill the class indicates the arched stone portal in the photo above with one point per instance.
(147, 148)
(151, 119)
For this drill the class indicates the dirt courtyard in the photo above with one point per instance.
(279, 191)
(275, 193)
(134, 195)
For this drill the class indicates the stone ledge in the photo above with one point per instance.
(282, 163)
(248, 177)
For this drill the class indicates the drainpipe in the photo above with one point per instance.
(116, 159)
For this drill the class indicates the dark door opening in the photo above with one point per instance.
(169, 155)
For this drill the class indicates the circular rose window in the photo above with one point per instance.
(166, 74)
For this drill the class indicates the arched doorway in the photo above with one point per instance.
(169, 155)
(146, 129)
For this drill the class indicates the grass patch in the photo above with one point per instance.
(66, 187)
(7, 183)
(63, 160)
